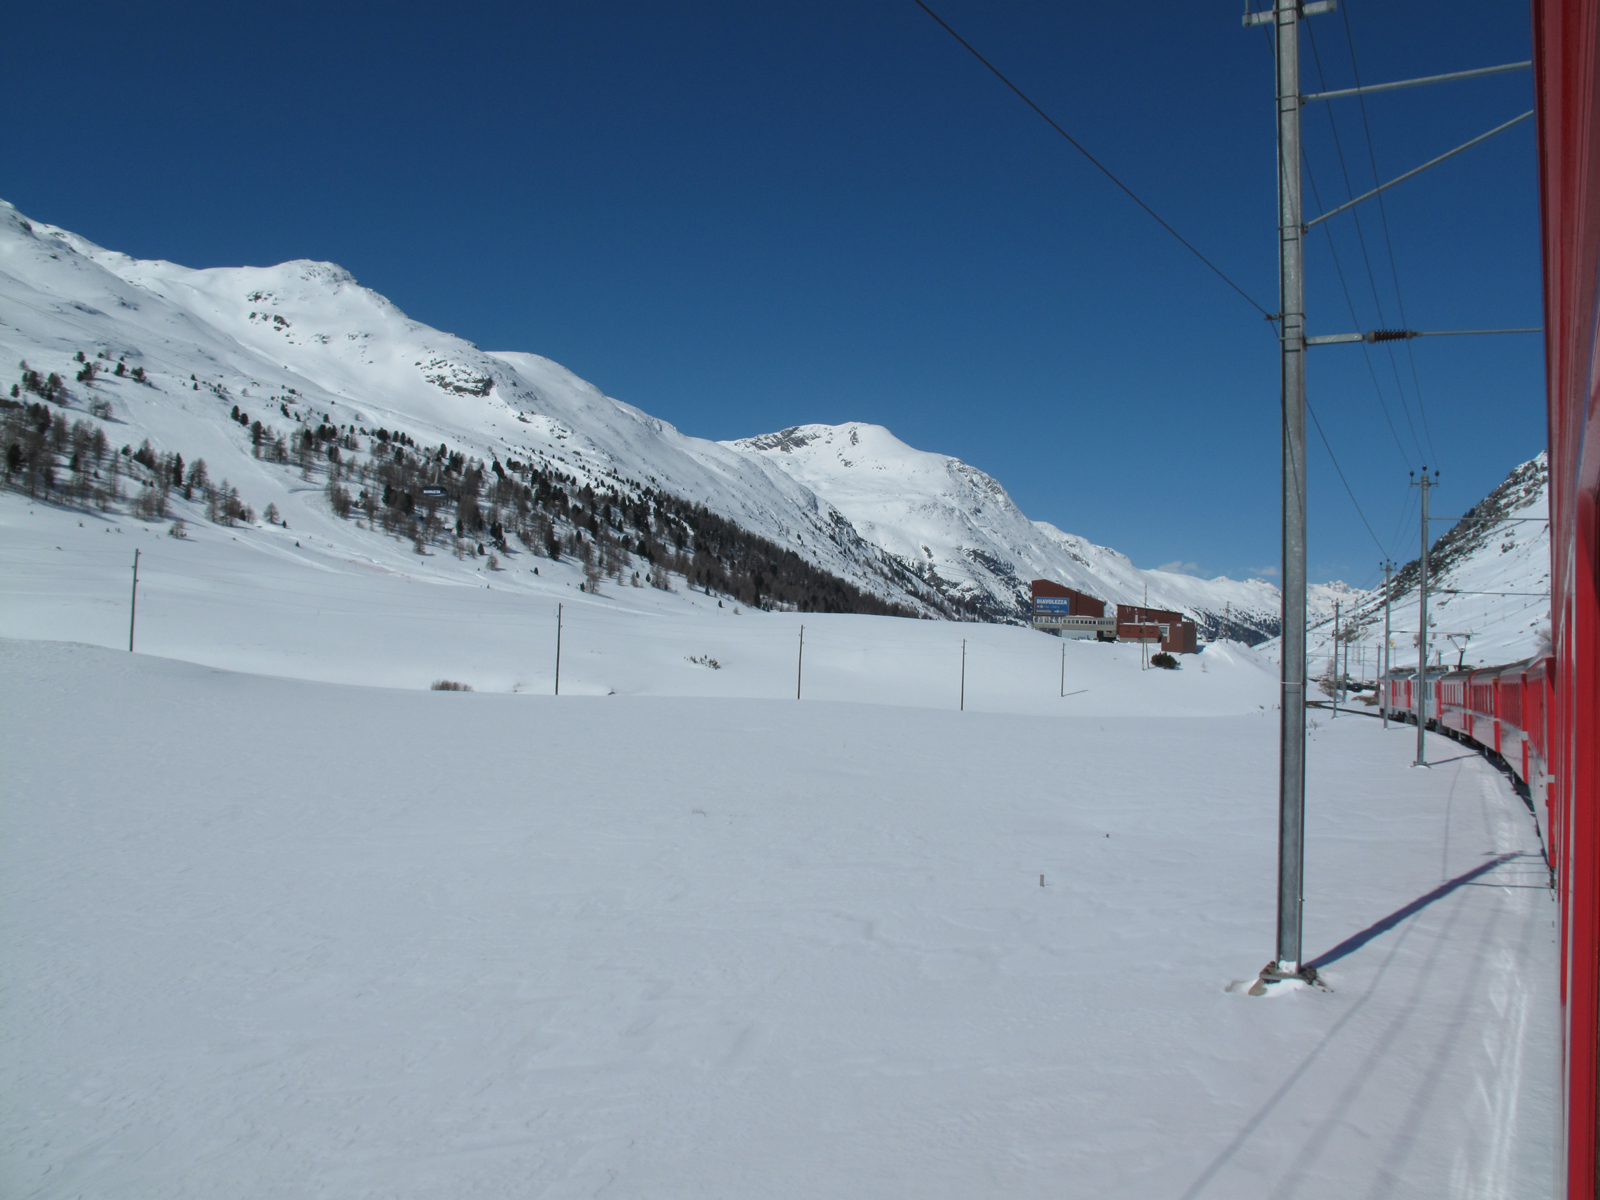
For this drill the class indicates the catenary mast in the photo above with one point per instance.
(1285, 19)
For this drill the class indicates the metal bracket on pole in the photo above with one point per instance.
(1407, 83)
(1314, 8)
(1376, 335)
(1383, 187)
(1373, 336)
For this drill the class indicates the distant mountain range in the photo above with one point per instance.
(302, 349)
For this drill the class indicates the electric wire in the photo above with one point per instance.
(1361, 239)
(1383, 217)
(1356, 320)
(1326, 445)
(1104, 170)
(1023, 96)
(1332, 458)
(1400, 524)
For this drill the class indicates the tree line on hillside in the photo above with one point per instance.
(432, 496)
(73, 463)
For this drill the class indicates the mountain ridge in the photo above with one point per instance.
(305, 341)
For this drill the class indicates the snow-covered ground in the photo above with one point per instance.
(280, 921)
(268, 933)
(283, 602)
(271, 937)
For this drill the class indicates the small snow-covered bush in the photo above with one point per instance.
(1164, 660)
(449, 685)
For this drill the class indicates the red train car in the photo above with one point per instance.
(1502, 710)
(1566, 59)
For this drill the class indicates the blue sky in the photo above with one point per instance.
(744, 216)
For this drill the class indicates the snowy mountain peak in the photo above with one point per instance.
(960, 531)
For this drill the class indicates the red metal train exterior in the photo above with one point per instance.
(1543, 716)
(1506, 711)
(1566, 61)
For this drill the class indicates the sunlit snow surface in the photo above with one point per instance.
(268, 934)
(278, 921)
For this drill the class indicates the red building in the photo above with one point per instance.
(1077, 604)
(1176, 634)
(1068, 613)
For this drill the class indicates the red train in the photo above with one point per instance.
(1506, 711)
(1566, 60)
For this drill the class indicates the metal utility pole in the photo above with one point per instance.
(800, 662)
(1144, 628)
(1421, 700)
(1344, 675)
(1285, 18)
(133, 603)
(1292, 332)
(558, 649)
(963, 674)
(1336, 658)
(1063, 668)
(1383, 669)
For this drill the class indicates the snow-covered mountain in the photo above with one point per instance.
(304, 343)
(302, 351)
(1488, 589)
(959, 530)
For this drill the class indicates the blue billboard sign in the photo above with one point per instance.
(1055, 606)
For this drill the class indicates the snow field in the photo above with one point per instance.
(251, 599)
(271, 937)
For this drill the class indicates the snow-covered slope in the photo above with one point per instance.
(304, 344)
(960, 531)
(1488, 589)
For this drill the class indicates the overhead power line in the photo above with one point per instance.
(1104, 170)
(1383, 217)
(1361, 239)
(1342, 479)
(1311, 412)
(1189, 246)
(1350, 304)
